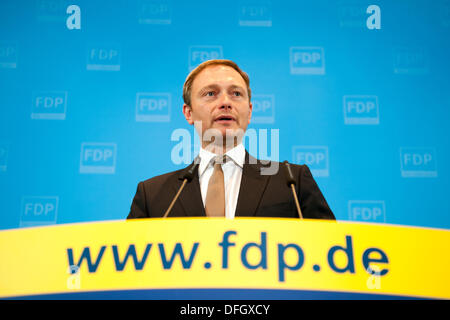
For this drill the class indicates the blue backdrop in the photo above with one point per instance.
(90, 95)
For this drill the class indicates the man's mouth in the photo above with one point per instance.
(225, 119)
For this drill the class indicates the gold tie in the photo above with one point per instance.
(215, 196)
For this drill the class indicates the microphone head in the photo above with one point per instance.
(289, 175)
(189, 172)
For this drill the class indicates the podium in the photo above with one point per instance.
(218, 258)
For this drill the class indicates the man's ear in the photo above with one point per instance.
(187, 111)
(250, 112)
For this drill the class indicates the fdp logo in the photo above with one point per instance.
(263, 108)
(3, 157)
(52, 10)
(98, 157)
(255, 13)
(153, 107)
(8, 55)
(307, 60)
(155, 12)
(103, 58)
(410, 61)
(199, 54)
(316, 157)
(36, 211)
(351, 15)
(50, 105)
(418, 162)
(367, 210)
(361, 109)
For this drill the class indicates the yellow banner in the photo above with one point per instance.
(244, 253)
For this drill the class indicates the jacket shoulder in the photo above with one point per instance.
(161, 179)
(151, 193)
(270, 167)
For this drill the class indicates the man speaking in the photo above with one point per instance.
(224, 180)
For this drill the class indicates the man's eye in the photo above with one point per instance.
(237, 93)
(210, 93)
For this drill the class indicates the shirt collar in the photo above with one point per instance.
(237, 154)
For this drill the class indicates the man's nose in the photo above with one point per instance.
(225, 103)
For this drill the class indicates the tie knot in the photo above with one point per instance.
(220, 160)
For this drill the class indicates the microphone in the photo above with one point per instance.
(290, 180)
(187, 176)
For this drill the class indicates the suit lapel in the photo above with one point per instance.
(252, 187)
(251, 190)
(191, 198)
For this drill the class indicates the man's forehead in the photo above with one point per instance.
(211, 74)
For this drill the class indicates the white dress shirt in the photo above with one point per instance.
(232, 173)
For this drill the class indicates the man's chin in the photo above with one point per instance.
(232, 132)
(224, 136)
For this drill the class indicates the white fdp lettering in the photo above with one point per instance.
(310, 158)
(49, 102)
(307, 60)
(261, 105)
(411, 60)
(49, 105)
(263, 108)
(373, 21)
(417, 159)
(360, 107)
(256, 14)
(205, 55)
(37, 208)
(154, 8)
(152, 104)
(315, 157)
(97, 155)
(50, 6)
(74, 20)
(367, 210)
(365, 213)
(418, 162)
(306, 57)
(104, 57)
(155, 12)
(254, 11)
(199, 54)
(104, 54)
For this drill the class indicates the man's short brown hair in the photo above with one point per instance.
(187, 88)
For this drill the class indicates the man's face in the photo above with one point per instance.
(219, 99)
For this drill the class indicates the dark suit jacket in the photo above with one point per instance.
(259, 195)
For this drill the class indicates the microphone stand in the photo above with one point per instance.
(291, 183)
(186, 176)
